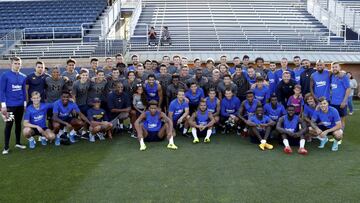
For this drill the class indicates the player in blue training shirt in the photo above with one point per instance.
(213, 105)
(260, 127)
(153, 90)
(288, 127)
(150, 128)
(247, 109)
(340, 91)
(326, 121)
(65, 118)
(202, 122)
(230, 105)
(320, 82)
(35, 121)
(194, 94)
(179, 111)
(100, 124)
(271, 78)
(261, 91)
(13, 102)
(274, 109)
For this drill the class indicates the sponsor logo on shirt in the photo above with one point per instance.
(290, 129)
(333, 85)
(320, 83)
(16, 88)
(38, 118)
(230, 110)
(325, 123)
(179, 111)
(271, 80)
(152, 125)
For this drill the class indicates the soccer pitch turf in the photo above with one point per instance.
(229, 169)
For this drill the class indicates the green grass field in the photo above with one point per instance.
(229, 169)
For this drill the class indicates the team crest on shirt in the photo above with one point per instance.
(34, 78)
(333, 86)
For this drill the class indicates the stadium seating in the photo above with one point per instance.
(37, 15)
(232, 25)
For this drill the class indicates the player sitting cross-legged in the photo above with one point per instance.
(149, 126)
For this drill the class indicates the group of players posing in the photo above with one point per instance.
(266, 104)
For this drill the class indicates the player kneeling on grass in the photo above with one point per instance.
(149, 126)
(202, 122)
(288, 126)
(35, 121)
(325, 121)
(65, 118)
(99, 122)
(259, 128)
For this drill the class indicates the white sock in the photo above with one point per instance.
(263, 141)
(142, 141)
(31, 139)
(60, 133)
(302, 143)
(185, 130)
(72, 132)
(121, 125)
(286, 142)
(130, 126)
(208, 133)
(194, 133)
(171, 140)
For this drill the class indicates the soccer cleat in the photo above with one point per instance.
(268, 146)
(331, 140)
(32, 143)
(196, 140)
(262, 146)
(302, 151)
(5, 151)
(207, 140)
(335, 146)
(43, 141)
(339, 142)
(100, 136)
(57, 141)
(172, 146)
(288, 150)
(91, 138)
(142, 147)
(19, 146)
(323, 142)
(72, 138)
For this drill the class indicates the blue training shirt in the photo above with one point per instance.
(262, 94)
(177, 108)
(321, 84)
(229, 106)
(194, 100)
(291, 125)
(13, 88)
(64, 112)
(37, 116)
(152, 123)
(211, 105)
(308, 111)
(276, 113)
(338, 89)
(271, 77)
(328, 119)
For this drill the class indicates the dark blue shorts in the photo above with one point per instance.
(342, 112)
(36, 132)
(254, 139)
(153, 137)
